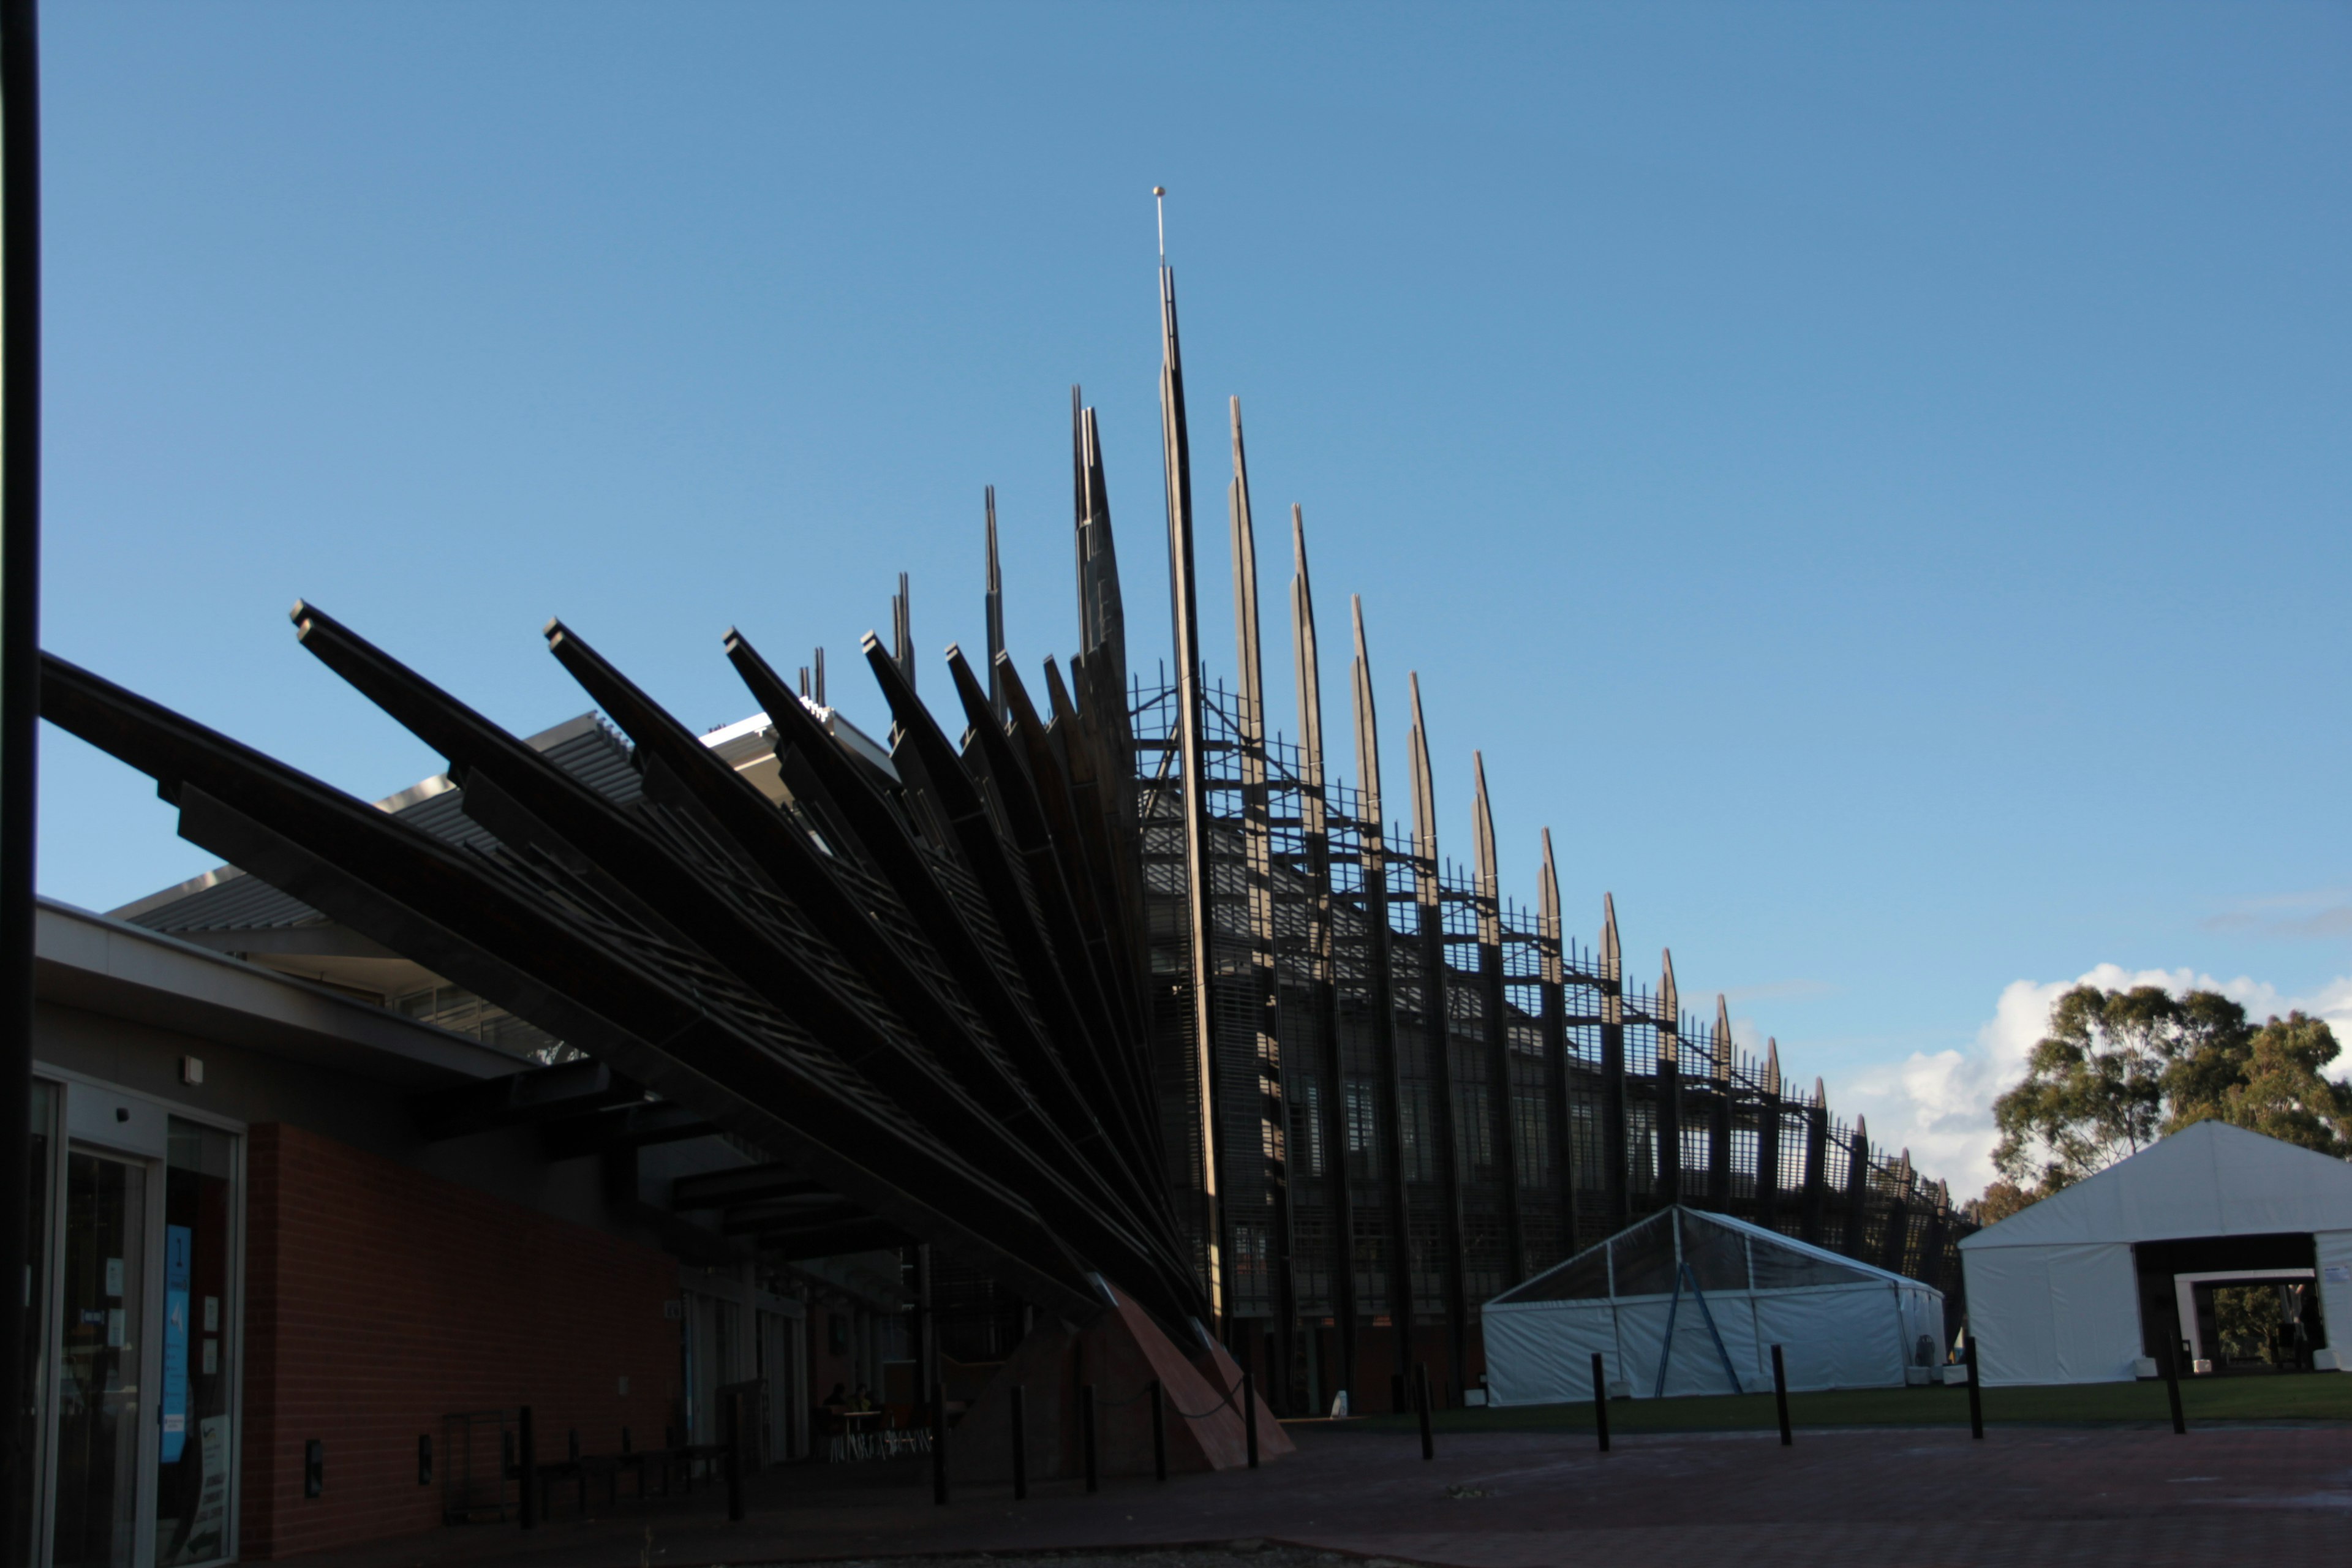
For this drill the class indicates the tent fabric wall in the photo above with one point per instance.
(2066, 1313)
(2335, 1251)
(1853, 1329)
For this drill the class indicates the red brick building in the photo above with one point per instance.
(281, 1243)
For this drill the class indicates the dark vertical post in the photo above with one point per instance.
(1086, 1432)
(1780, 1395)
(20, 708)
(1894, 1244)
(1613, 1069)
(1767, 1140)
(1601, 1401)
(1159, 1431)
(1249, 1416)
(1668, 1118)
(1437, 984)
(926, 1365)
(1020, 1446)
(1371, 845)
(1857, 1190)
(1817, 1158)
(1552, 967)
(1502, 1099)
(527, 1466)
(1667, 1121)
(734, 1456)
(1976, 1400)
(939, 1442)
(2172, 1391)
(1339, 1198)
(1718, 1111)
(1420, 1402)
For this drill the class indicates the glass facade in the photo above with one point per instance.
(131, 1338)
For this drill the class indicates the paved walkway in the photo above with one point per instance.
(1926, 1499)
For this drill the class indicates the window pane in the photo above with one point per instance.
(192, 1469)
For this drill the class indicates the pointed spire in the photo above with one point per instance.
(1102, 618)
(1820, 1093)
(1245, 624)
(1481, 835)
(1310, 677)
(1722, 1039)
(1424, 796)
(1367, 726)
(1185, 605)
(902, 633)
(1611, 954)
(1548, 918)
(1772, 1066)
(996, 615)
(1670, 1009)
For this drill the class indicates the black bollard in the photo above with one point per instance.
(1159, 1432)
(1421, 1400)
(1976, 1400)
(2172, 1391)
(1601, 1401)
(1249, 1416)
(734, 1457)
(1087, 1434)
(1780, 1395)
(939, 1442)
(526, 1462)
(1020, 1446)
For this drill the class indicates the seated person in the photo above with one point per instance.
(838, 1400)
(864, 1400)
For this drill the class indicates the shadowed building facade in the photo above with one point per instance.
(1093, 988)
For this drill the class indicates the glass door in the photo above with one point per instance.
(191, 1470)
(101, 1417)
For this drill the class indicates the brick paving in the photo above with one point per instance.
(1927, 1498)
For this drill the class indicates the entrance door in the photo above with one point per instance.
(103, 1411)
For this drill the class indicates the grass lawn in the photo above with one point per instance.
(2312, 1397)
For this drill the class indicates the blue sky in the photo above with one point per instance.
(1872, 480)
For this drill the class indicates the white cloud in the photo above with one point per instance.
(1939, 1105)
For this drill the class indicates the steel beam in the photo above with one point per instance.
(1817, 1160)
(1322, 976)
(1553, 970)
(1616, 1158)
(1667, 1121)
(1767, 1140)
(1502, 1096)
(1436, 978)
(1372, 845)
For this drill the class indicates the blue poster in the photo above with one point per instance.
(178, 1240)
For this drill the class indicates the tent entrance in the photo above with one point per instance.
(2230, 1304)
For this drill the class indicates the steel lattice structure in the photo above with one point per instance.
(1122, 986)
(1357, 1041)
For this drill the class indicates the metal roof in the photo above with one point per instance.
(224, 898)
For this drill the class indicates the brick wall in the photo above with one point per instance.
(378, 1299)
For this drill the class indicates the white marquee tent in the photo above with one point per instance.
(1691, 1302)
(2053, 1290)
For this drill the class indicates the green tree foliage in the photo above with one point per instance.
(2120, 1069)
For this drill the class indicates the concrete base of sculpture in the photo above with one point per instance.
(1121, 1353)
